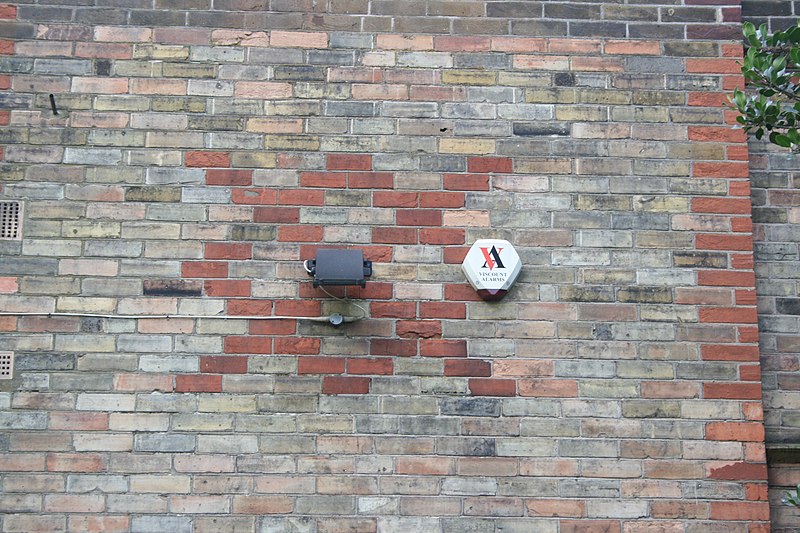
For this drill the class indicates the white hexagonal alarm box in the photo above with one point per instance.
(491, 266)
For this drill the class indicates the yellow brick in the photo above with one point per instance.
(291, 142)
(466, 146)
(604, 96)
(582, 113)
(67, 304)
(225, 403)
(160, 51)
(160, 484)
(254, 160)
(661, 204)
(551, 95)
(469, 77)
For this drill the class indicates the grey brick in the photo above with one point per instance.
(164, 442)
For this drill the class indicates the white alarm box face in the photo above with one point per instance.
(491, 267)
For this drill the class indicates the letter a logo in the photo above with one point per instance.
(492, 257)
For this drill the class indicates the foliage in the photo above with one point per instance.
(792, 498)
(771, 67)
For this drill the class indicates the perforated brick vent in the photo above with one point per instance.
(6, 365)
(10, 220)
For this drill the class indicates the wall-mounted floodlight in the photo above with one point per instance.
(339, 267)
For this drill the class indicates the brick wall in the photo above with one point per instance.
(200, 153)
(775, 226)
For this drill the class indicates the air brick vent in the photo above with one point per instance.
(10, 220)
(6, 365)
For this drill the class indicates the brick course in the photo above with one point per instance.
(200, 155)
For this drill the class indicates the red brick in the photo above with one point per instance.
(229, 177)
(301, 197)
(204, 269)
(467, 368)
(419, 217)
(548, 388)
(370, 180)
(393, 309)
(729, 315)
(345, 385)
(78, 421)
(273, 327)
(717, 278)
(743, 261)
(705, 241)
(228, 250)
(216, 364)
(394, 235)
(74, 503)
(248, 344)
(732, 391)
(250, 307)
(375, 290)
(737, 152)
(105, 51)
(143, 382)
(412, 329)
(737, 471)
(394, 199)
(376, 366)
(750, 373)
(732, 206)
(6, 47)
(348, 162)
(442, 200)
(259, 505)
(748, 334)
(297, 345)
(425, 466)
(208, 159)
(198, 383)
(22, 462)
(378, 254)
(261, 197)
(5, 117)
(300, 233)
(461, 44)
(708, 99)
(5, 83)
(454, 255)
(461, 292)
(735, 431)
(393, 347)
(279, 215)
(739, 510)
(757, 491)
(321, 365)
(442, 236)
(713, 66)
(490, 164)
(8, 11)
(553, 508)
(442, 348)
(729, 352)
(716, 134)
(742, 224)
(98, 524)
(297, 308)
(442, 310)
(334, 180)
(76, 462)
(721, 170)
(466, 182)
(227, 287)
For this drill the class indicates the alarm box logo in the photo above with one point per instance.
(492, 256)
(491, 267)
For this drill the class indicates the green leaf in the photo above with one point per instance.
(780, 140)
